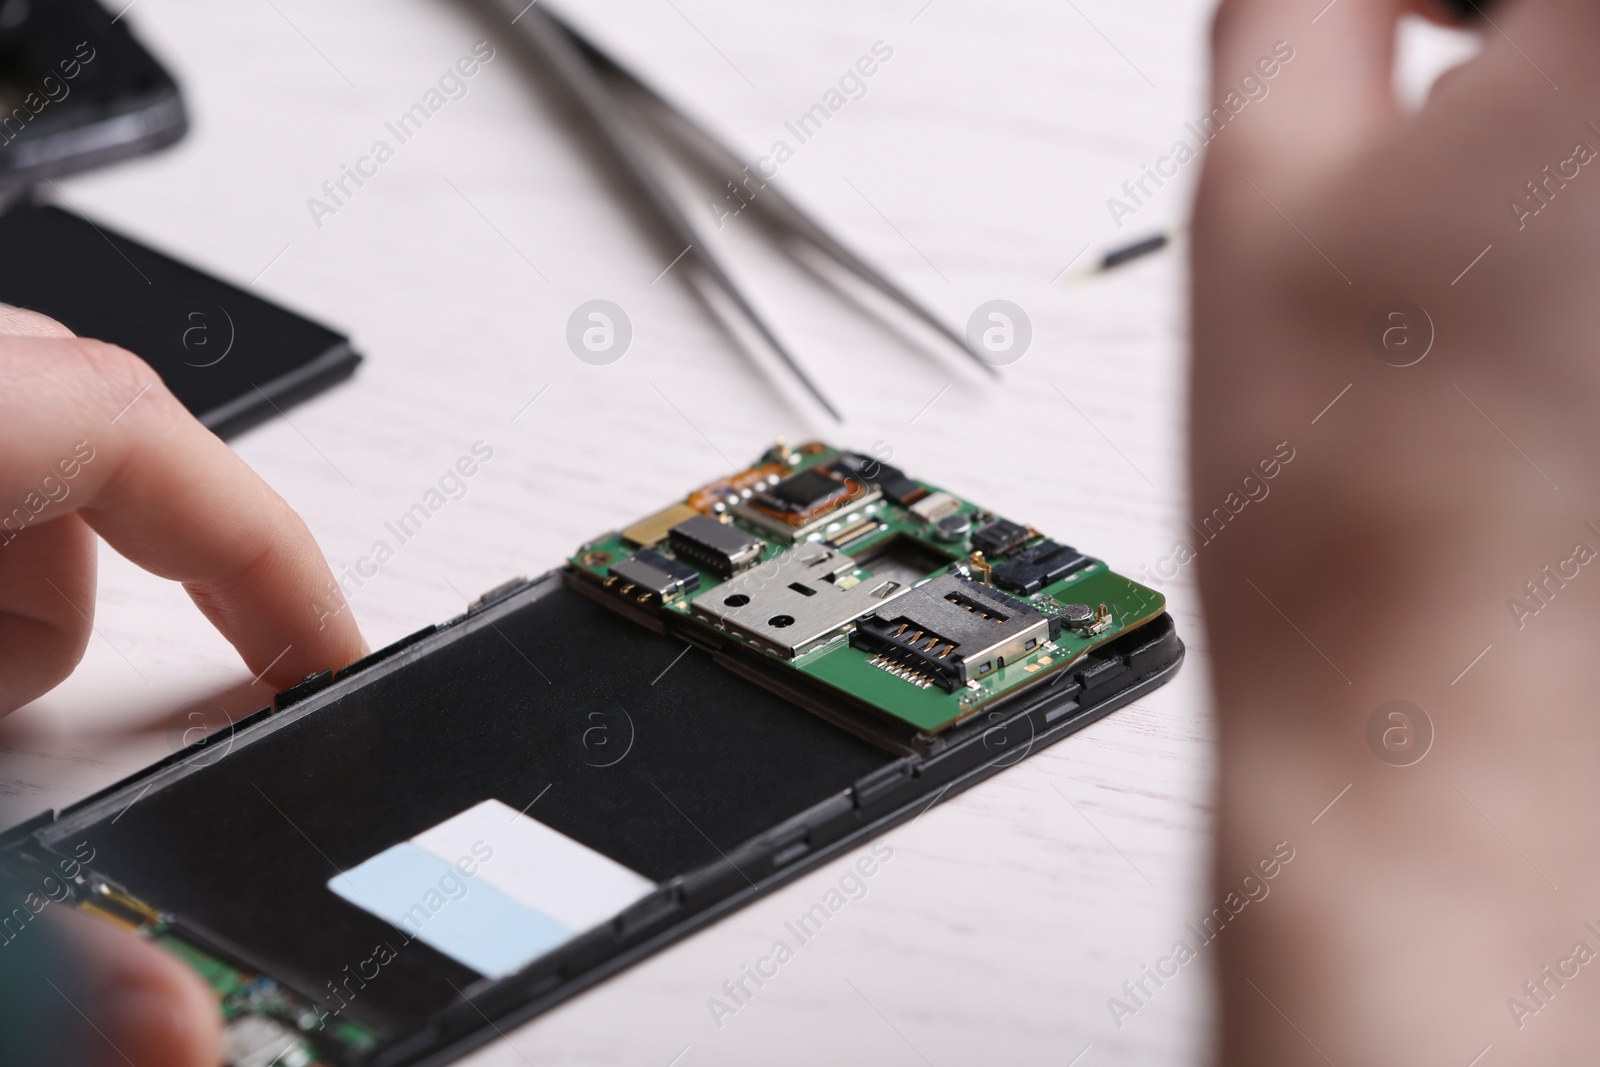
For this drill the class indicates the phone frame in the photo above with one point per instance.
(1121, 671)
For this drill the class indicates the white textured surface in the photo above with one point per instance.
(981, 158)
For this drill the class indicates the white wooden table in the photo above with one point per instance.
(977, 165)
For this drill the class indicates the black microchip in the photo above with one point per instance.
(864, 468)
(902, 490)
(999, 537)
(891, 480)
(718, 546)
(655, 574)
(804, 492)
(1036, 567)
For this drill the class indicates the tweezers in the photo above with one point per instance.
(592, 77)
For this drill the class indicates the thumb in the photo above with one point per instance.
(1297, 87)
(131, 1003)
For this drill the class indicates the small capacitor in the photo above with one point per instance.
(952, 527)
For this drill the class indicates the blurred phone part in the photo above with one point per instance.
(77, 90)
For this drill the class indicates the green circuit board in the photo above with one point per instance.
(915, 601)
(265, 1024)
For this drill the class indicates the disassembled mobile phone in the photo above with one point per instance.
(400, 860)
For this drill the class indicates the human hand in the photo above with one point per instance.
(92, 443)
(1422, 505)
(163, 491)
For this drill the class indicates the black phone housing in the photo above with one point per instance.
(77, 90)
(710, 782)
(232, 358)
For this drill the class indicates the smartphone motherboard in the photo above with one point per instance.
(896, 595)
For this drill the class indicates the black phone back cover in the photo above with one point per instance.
(231, 357)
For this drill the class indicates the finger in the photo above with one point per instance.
(46, 582)
(1297, 86)
(22, 322)
(46, 607)
(150, 1009)
(170, 496)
